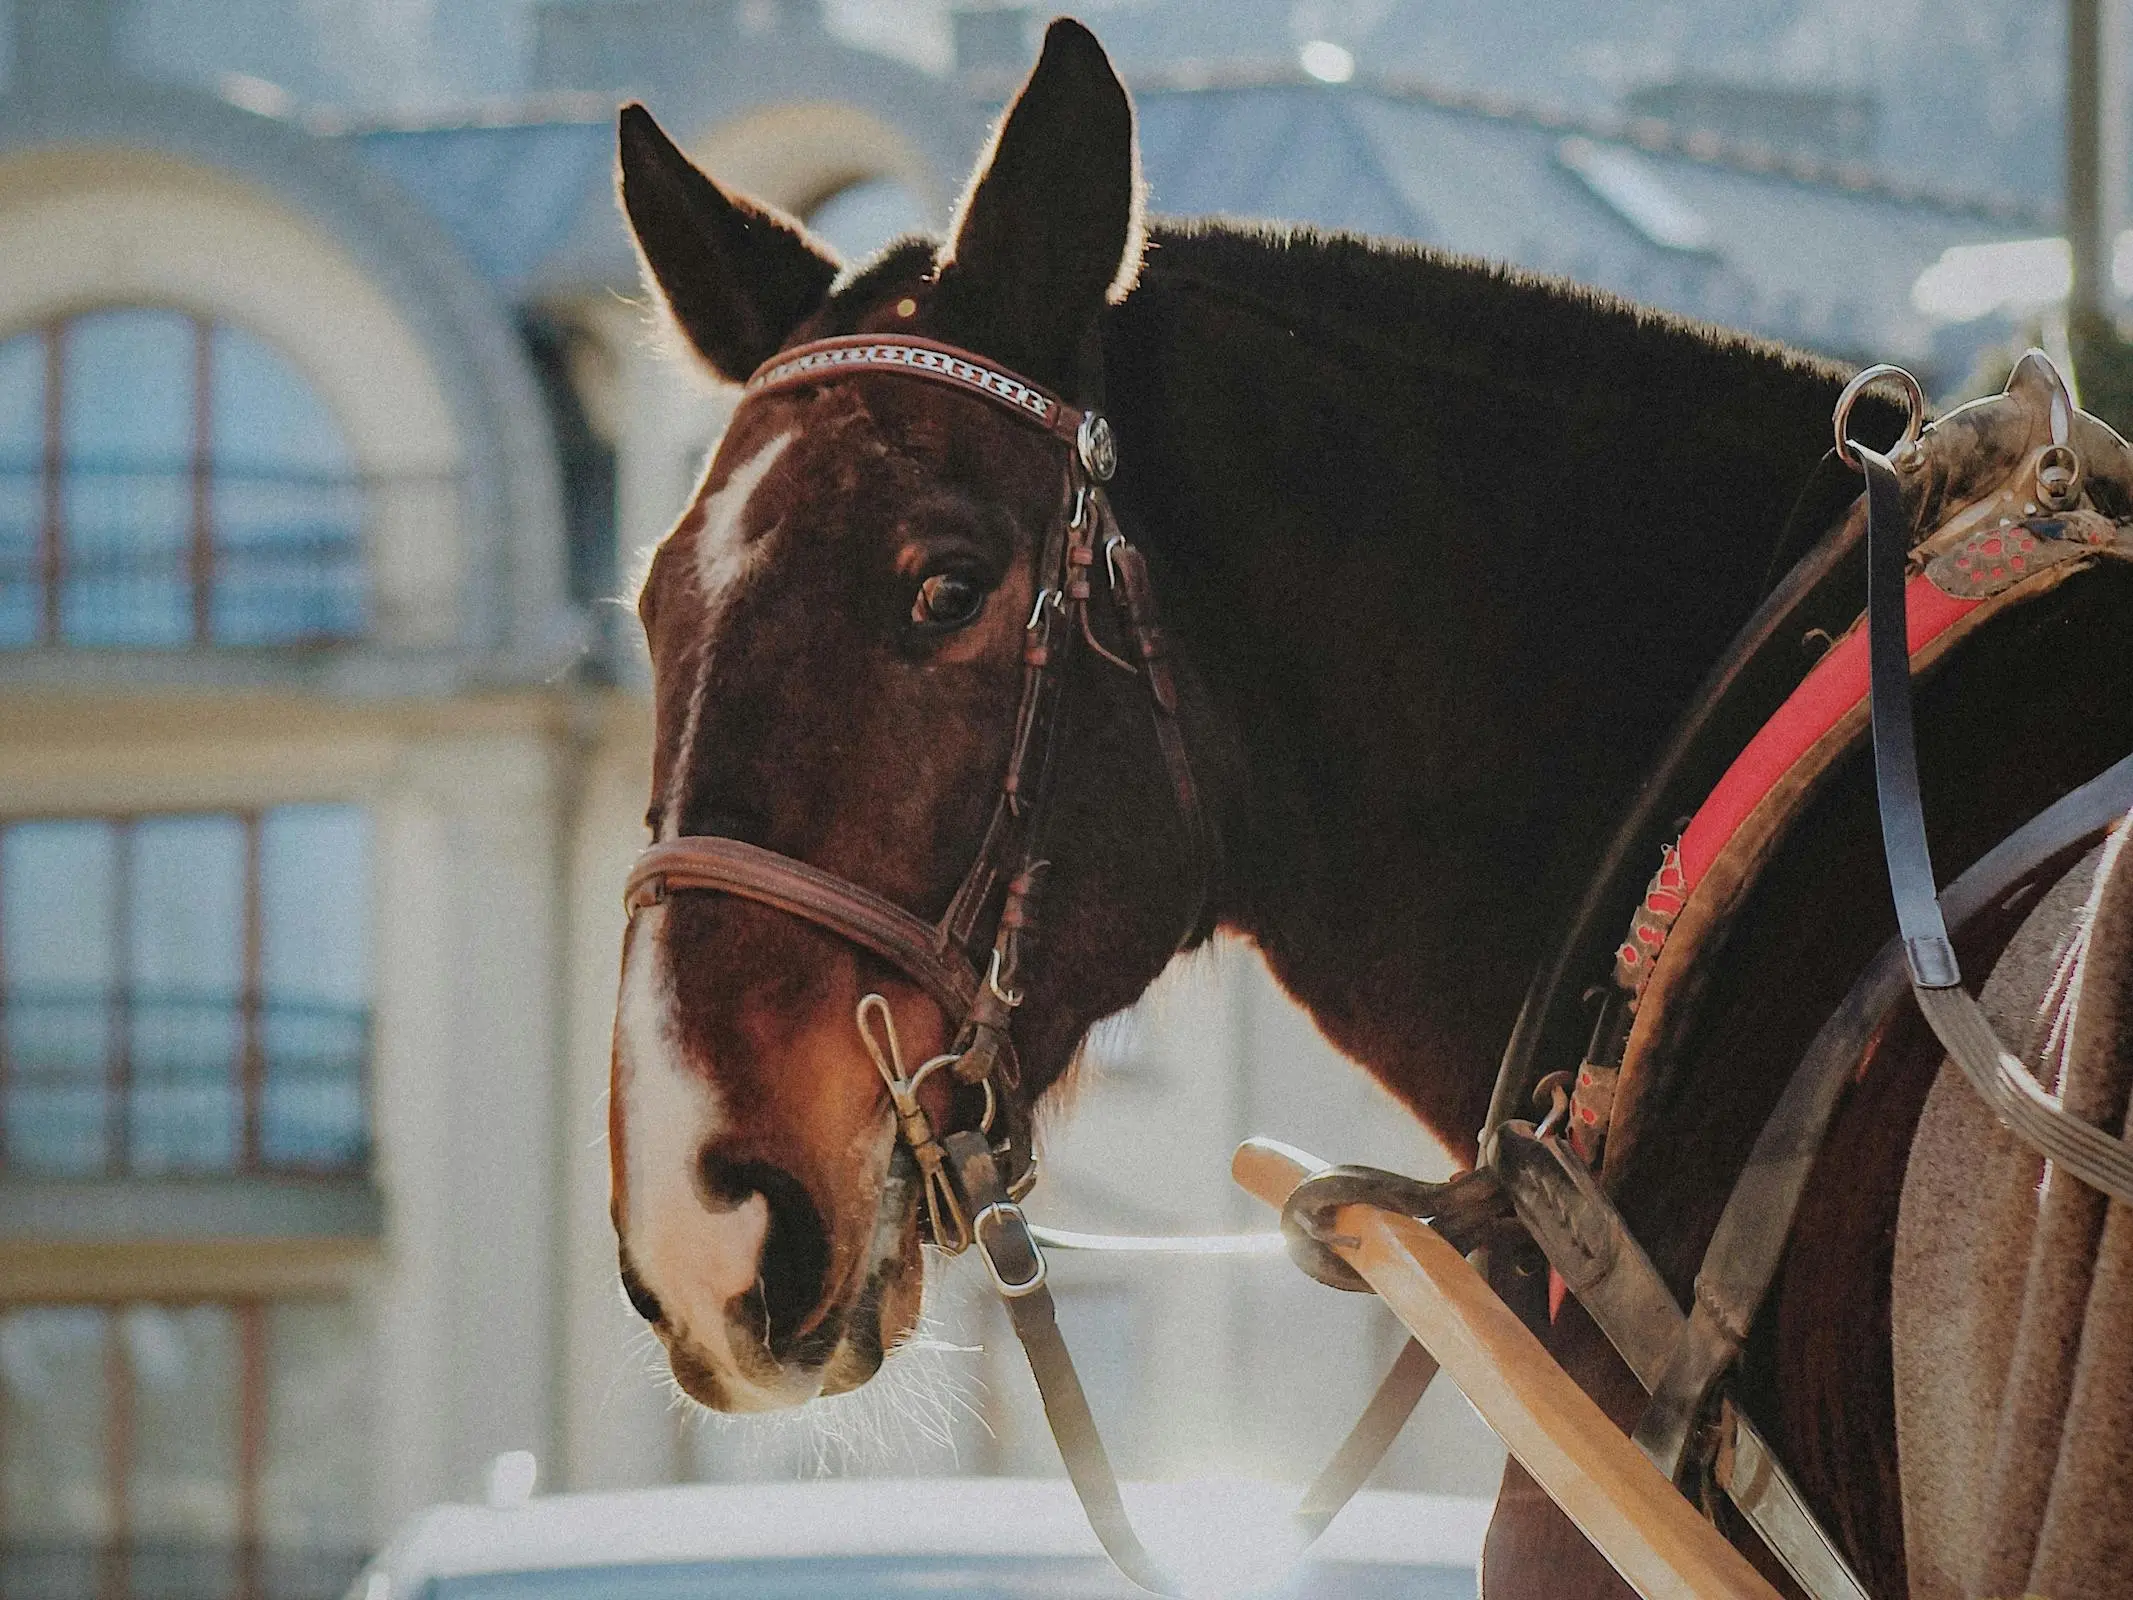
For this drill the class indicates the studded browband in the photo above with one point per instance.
(919, 358)
(978, 992)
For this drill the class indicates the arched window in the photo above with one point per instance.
(168, 480)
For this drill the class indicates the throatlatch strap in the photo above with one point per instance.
(2021, 1103)
(1018, 1274)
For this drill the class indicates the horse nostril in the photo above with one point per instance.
(641, 1299)
(795, 1260)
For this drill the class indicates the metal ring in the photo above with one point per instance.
(1913, 395)
(1554, 1091)
(2058, 476)
(931, 1067)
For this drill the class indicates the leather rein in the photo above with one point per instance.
(972, 962)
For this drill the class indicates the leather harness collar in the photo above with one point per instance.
(976, 982)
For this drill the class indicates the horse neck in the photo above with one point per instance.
(1451, 555)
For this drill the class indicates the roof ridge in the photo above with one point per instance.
(560, 107)
(1653, 135)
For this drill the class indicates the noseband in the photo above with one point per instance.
(976, 981)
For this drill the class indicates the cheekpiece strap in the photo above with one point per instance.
(916, 358)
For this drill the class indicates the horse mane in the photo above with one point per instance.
(1423, 317)
(1450, 312)
(1426, 307)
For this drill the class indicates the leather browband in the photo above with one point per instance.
(851, 354)
(732, 866)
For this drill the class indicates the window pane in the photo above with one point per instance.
(181, 1494)
(55, 1509)
(21, 486)
(185, 951)
(287, 507)
(315, 969)
(314, 1513)
(127, 425)
(58, 886)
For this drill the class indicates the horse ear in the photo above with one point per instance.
(1050, 227)
(736, 276)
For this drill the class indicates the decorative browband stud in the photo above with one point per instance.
(1097, 447)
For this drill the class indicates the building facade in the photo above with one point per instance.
(326, 448)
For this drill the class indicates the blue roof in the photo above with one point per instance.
(1818, 262)
(1255, 153)
(512, 196)
(1825, 264)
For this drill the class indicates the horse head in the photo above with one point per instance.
(837, 630)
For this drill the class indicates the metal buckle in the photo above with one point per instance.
(1001, 1229)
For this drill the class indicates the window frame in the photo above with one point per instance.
(203, 556)
(249, 1062)
(116, 1552)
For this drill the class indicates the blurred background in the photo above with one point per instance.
(331, 426)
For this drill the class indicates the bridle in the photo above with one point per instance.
(974, 1178)
(976, 981)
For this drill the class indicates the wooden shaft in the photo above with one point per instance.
(1653, 1537)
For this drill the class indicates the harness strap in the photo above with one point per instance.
(1015, 1263)
(1586, 1240)
(1749, 1241)
(2024, 1105)
(732, 866)
(1130, 581)
(1757, 674)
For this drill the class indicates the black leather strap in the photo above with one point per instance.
(1586, 1240)
(1927, 948)
(1465, 1208)
(1748, 1244)
(2020, 1102)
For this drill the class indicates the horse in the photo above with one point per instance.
(1444, 551)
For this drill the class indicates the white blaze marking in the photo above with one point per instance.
(695, 1260)
(692, 1258)
(724, 554)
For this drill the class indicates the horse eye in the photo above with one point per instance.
(947, 600)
